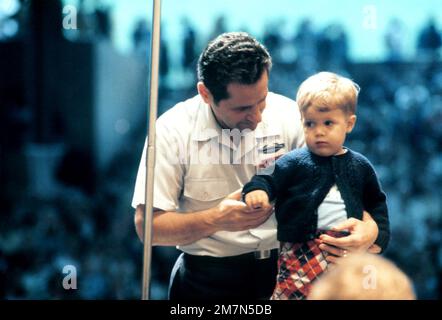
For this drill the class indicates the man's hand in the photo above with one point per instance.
(257, 199)
(234, 215)
(362, 236)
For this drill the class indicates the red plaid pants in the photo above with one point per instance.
(300, 264)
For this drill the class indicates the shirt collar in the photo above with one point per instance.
(206, 126)
(266, 128)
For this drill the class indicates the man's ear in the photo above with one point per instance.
(204, 92)
(351, 121)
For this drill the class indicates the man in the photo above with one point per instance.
(208, 147)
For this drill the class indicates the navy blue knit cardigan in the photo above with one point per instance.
(300, 182)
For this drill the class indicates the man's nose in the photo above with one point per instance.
(255, 115)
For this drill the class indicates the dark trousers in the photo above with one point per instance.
(205, 278)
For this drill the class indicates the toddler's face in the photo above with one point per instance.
(325, 129)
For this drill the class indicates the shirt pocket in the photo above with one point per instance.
(206, 190)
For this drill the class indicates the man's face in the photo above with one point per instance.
(244, 107)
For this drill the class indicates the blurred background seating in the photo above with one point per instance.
(73, 98)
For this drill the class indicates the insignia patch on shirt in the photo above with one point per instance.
(272, 148)
(269, 154)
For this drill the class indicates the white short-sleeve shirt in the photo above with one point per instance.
(197, 165)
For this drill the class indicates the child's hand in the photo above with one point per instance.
(257, 199)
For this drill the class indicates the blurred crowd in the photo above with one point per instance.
(399, 129)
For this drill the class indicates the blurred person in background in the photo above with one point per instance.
(363, 277)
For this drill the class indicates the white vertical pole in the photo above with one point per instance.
(150, 155)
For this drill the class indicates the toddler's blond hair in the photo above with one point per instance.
(328, 91)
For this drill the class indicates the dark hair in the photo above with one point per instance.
(233, 57)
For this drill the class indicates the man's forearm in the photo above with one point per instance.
(172, 228)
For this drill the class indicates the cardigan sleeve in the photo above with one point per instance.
(375, 202)
(273, 183)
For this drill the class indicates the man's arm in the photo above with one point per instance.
(172, 228)
(363, 234)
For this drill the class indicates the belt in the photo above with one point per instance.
(263, 254)
(251, 256)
